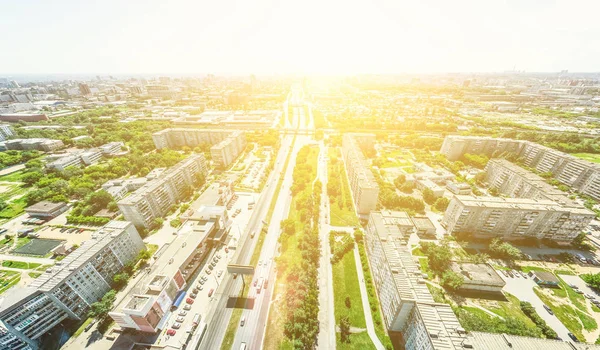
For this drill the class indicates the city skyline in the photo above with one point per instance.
(270, 37)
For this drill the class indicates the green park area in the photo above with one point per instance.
(341, 206)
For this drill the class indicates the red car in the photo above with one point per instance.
(171, 332)
(226, 250)
(210, 292)
(189, 300)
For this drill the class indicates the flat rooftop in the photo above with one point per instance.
(45, 206)
(482, 274)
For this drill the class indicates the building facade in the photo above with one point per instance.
(158, 196)
(364, 187)
(515, 218)
(45, 145)
(69, 288)
(581, 175)
(227, 145)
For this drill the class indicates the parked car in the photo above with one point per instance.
(193, 295)
(219, 273)
(171, 332)
(548, 309)
(182, 313)
(201, 288)
(176, 325)
(573, 286)
(204, 278)
(189, 300)
(573, 337)
(187, 307)
(210, 292)
(180, 319)
(208, 271)
(242, 321)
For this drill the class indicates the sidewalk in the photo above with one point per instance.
(365, 302)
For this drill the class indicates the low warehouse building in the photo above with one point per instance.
(478, 277)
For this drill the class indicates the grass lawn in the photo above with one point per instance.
(14, 208)
(358, 341)
(82, 327)
(588, 156)
(22, 241)
(20, 264)
(12, 177)
(565, 313)
(341, 207)
(8, 279)
(34, 274)
(345, 284)
(424, 263)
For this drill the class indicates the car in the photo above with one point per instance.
(219, 273)
(242, 321)
(213, 264)
(589, 296)
(596, 302)
(187, 307)
(195, 291)
(260, 263)
(189, 300)
(176, 325)
(211, 267)
(219, 256)
(182, 313)
(208, 271)
(255, 283)
(204, 278)
(202, 282)
(573, 337)
(226, 250)
(548, 309)
(211, 291)
(578, 291)
(171, 332)
(573, 286)
(201, 288)
(510, 274)
(215, 260)
(193, 295)
(180, 319)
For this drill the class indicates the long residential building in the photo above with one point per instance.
(365, 190)
(67, 290)
(148, 303)
(408, 308)
(227, 145)
(515, 218)
(579, 174)
(45, 145)
(158, 196)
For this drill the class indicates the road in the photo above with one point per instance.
(252, 333)
(219, 314)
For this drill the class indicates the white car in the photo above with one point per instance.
(187, 307)
(176, 325)
(219, 273)
(182, 313)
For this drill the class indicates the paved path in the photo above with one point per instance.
(11, 169)
(365, 302)
(28, 259)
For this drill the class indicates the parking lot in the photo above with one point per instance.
(200, 285)
(255, 171)
(72, 235)
(521, 286)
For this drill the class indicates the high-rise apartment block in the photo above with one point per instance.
(365, 190)
(67, 290)
(158, 196)
(515, 218)
(406, 303)
(227, 145)
(579, 174)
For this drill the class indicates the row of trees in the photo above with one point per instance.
(301, 323)
(10, 158)
(530, 312)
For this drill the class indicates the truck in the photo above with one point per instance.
(259, 285)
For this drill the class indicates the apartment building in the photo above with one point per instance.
(62, 163)
(156, 197)
(91, 156)
(579, 174)
(67, 290)
(364, 187)
(111, 148)
(227, 145)
(6, 131)
(39, 144)
(408, 307)
(148, 303)
(515, 218)
(406, 303)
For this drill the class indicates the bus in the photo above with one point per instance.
(178, 299)
(259, 285)
(196, 320)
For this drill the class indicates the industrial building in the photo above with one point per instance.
(227, 145)
(148, 303)
(158, 196)
(365, 190)
(67, 290)
(46, 209)
(515, 218)
(478, 277)
(579, 174)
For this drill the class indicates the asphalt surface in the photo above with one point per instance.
(219, 315)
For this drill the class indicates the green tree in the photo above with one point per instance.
(120, 280)
(288, 226)
(503, 250)
(441, 203)
(345, 329)
(428, 196)
(101, 308)
(452, 280)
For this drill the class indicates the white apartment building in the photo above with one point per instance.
(111, 148)
(514, 218)
(579, 174)
(156, 197)
(91, 156)
(69, 288)
(62, 163)
(364, 187)
(6, 131)
(227, 145)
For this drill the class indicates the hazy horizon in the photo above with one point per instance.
(270, 37)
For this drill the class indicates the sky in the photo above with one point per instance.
(303, 36)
